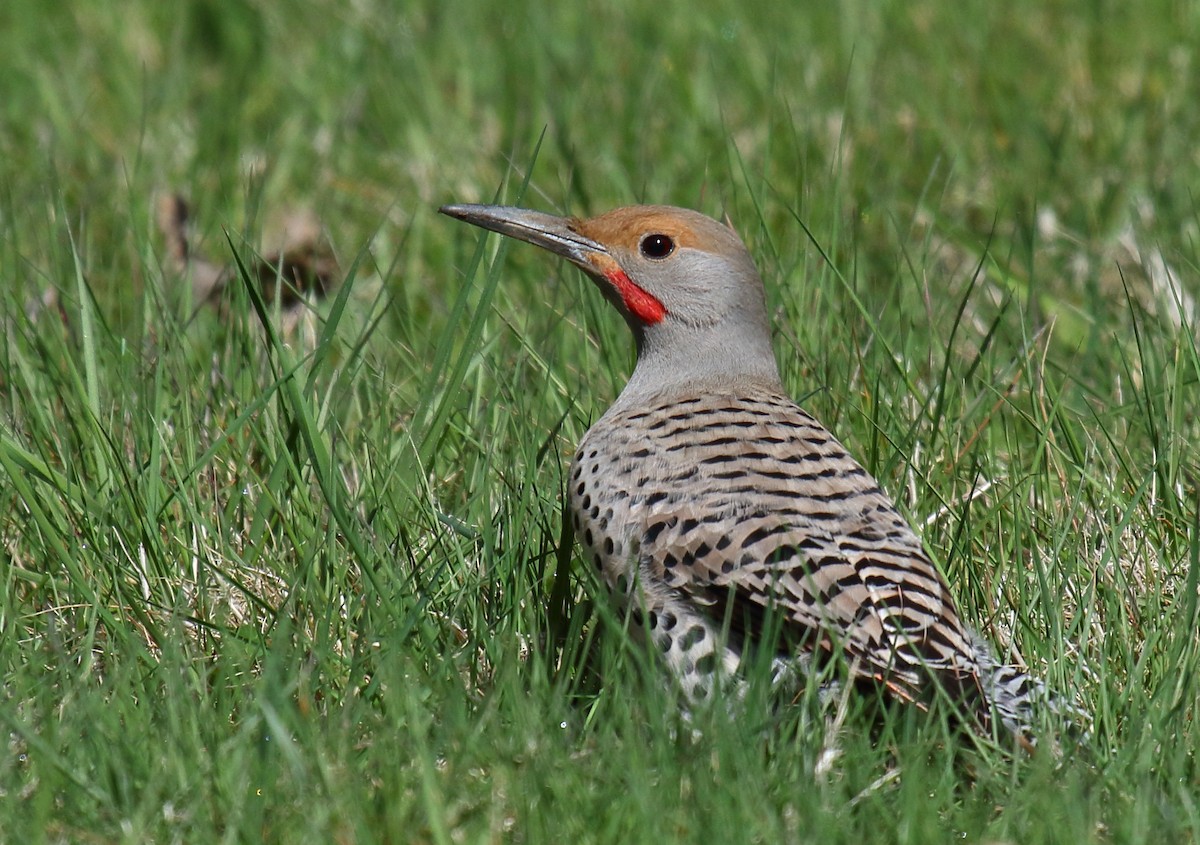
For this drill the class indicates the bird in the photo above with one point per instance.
(717, 511)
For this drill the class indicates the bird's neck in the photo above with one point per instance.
(700, 363)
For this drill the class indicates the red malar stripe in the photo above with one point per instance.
(641, 304)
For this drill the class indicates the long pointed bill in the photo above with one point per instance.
(545, 230)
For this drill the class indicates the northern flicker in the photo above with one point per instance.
(715, 508)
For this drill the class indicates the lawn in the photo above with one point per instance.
(296, 571)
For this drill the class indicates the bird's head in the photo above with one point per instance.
(684, 283)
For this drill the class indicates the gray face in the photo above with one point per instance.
(659, 265)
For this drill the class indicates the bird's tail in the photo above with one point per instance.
(1021, 702)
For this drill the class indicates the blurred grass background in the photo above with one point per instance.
(311, 582)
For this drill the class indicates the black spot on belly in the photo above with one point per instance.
(694, 636)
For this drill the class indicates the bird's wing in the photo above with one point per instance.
(763, 511)
(887, 613)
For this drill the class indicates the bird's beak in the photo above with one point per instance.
(556, 234)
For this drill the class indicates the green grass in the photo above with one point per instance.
(312, 584)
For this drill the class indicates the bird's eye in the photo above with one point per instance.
(657, 246)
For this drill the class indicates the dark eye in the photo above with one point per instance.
(657, 246)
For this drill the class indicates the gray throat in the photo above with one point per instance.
(706, 359)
